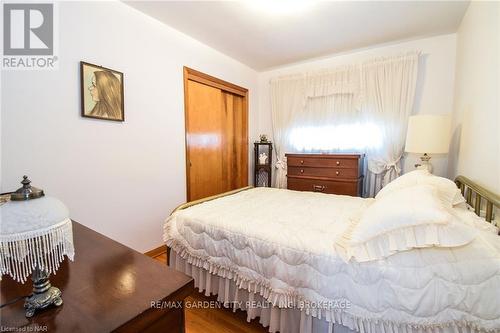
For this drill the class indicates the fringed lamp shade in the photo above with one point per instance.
(35, 235)
(35, 232)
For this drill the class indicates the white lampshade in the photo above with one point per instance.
(17, 217)
(34, 233)
(428, 134)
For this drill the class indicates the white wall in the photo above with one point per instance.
(476, 120)
(120, 179)
(434, 86)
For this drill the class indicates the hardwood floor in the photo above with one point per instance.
(162, 257)
(208, 320)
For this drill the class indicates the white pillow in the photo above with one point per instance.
(448, 191)
(404, 219)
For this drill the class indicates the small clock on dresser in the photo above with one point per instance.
(262, 163)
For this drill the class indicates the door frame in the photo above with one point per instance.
(200, 77)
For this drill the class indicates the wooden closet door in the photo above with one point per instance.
(204, 130)
(235, 142)
(216, 135)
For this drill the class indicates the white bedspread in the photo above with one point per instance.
(279, 243)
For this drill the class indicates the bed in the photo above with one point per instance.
(271, 253)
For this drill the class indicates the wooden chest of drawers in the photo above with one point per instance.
(327, 173)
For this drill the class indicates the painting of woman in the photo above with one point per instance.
(102, 92)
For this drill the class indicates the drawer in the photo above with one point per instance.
(324, 186)
(323, 162)
(341, 173)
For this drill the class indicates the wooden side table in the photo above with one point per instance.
(262, 171)
(108, 288)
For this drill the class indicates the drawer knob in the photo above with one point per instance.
(337, 173)
(301, 170)
(338, 162)
(301, 161)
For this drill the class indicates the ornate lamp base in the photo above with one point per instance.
(43, 295)
(426, 164)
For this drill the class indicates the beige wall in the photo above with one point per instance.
(475, 148)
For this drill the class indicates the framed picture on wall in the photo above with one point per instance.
(102, 92)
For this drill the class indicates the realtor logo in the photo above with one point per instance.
(28, 29)
(28, 36)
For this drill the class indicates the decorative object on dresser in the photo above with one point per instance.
(110, 288)
(327, 173)
(35, 235)
(262, 163)
(428, 134)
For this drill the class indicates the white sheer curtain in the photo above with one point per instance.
(287, 100)
(350, 109)
(389, 93)
(328, 124)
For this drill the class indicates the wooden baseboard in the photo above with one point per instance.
(156, 252)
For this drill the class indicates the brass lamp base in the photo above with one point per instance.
(43, 295)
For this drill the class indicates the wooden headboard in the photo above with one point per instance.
(475, 194)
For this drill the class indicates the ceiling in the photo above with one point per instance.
(294, 30)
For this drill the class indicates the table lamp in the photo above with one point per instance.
(428, 134)
(35, 235)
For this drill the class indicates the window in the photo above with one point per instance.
(346, 137)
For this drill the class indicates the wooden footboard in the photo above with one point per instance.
(196, 202)
(475, 194)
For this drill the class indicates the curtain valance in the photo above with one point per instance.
(342, 80)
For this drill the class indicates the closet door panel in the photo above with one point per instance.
(235, 151)
(240, 121)
(204, 140)
(228, 162)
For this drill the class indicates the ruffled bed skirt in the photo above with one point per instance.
(283, 320)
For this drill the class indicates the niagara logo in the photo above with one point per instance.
(29, 41)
